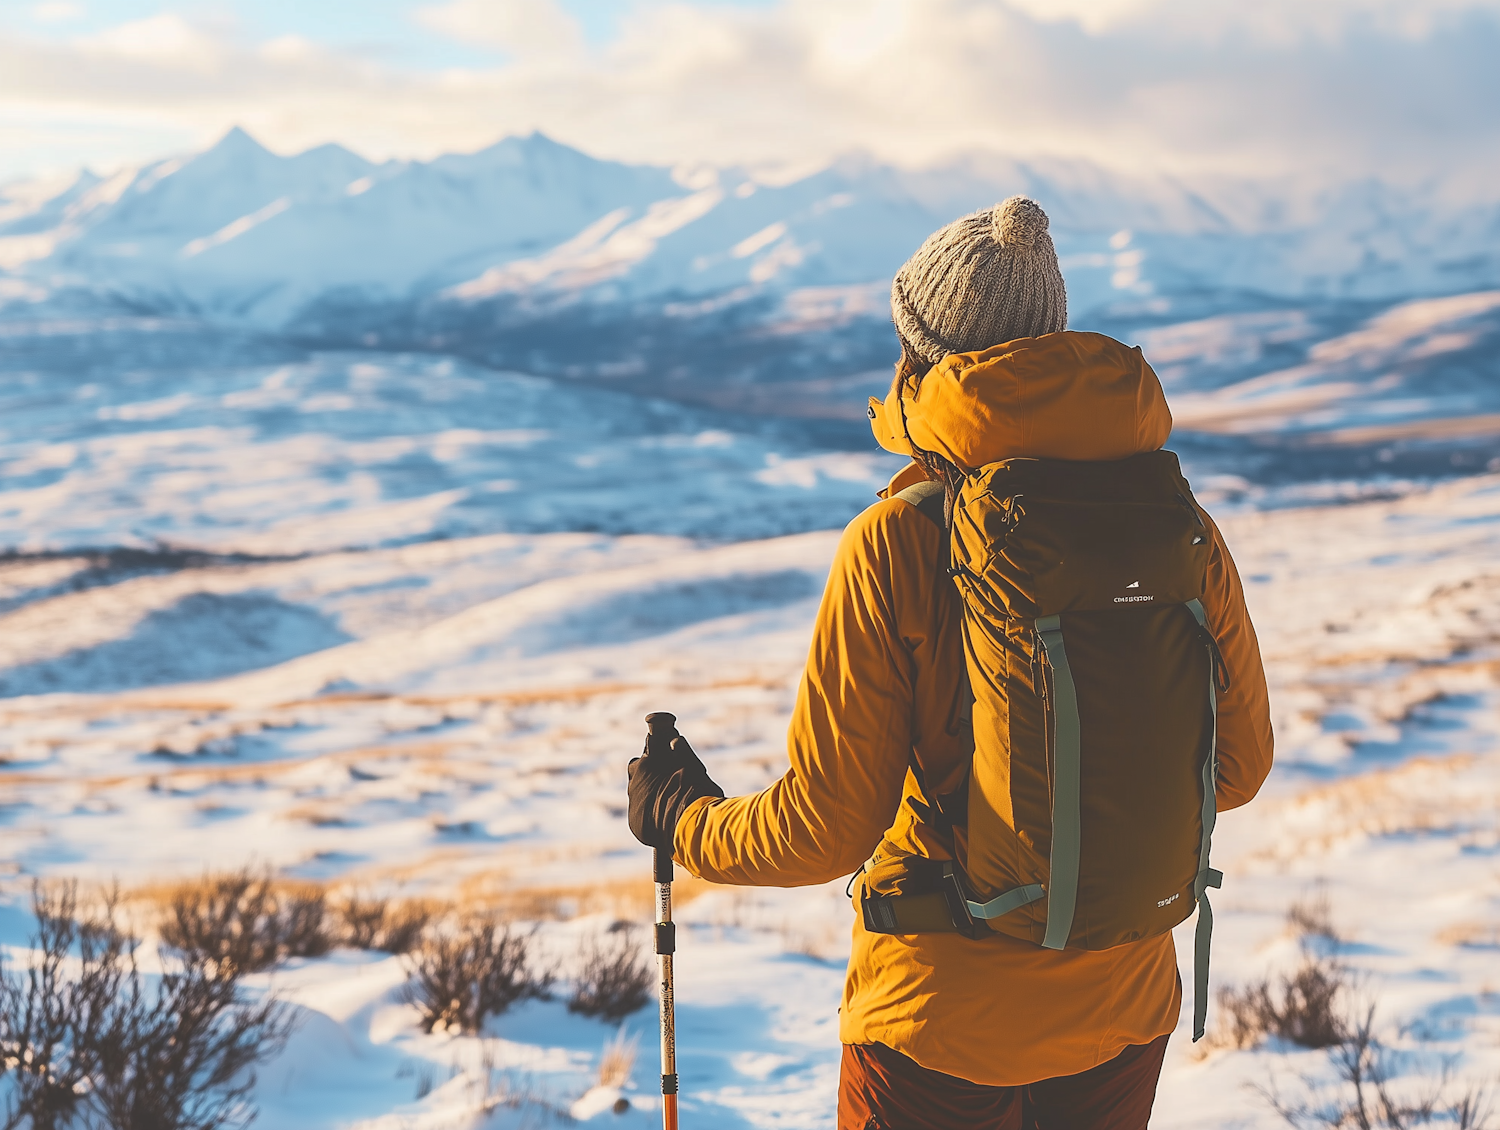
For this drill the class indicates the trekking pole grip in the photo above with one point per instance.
(661, 728)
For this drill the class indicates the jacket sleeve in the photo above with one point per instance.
(850, 739)
(1245, 743)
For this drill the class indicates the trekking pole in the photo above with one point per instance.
(662, 727)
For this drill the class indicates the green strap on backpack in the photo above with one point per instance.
(1207, 876)
(926, 496)
(1067, 826)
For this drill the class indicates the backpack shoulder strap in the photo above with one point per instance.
(926, 496)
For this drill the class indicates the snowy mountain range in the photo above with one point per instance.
(712, 286)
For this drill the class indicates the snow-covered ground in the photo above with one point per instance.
(353, 699)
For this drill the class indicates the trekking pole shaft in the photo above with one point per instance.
(666, 946)
(662, 728)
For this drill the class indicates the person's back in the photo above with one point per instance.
(899, 768)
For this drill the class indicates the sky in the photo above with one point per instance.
(1402, 89)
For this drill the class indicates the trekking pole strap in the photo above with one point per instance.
(1207, 876)
(1067, 834)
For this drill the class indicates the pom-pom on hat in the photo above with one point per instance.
(985, 279)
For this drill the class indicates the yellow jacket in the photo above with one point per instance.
(885, 684)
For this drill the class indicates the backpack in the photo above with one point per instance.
(1089, 807)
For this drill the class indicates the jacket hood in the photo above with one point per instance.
(1068, 395)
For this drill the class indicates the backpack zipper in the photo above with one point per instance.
(1038, 675)
(1040, 668)
(1216, 659)
(1193, 510)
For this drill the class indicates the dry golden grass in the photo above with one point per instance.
(352, 916)
(317, 815)
(192, 779)
(166, 891)
(1477, 935)
(617, 1060)
(532, 697)
(153, 702)
(629, 899)
(496, 893)
(1419, 797)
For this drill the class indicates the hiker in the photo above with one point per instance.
(1032, 684)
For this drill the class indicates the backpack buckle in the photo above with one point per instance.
(958, 904)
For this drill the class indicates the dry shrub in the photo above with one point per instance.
(87, 1043)
(54, 1022)
(1365, 1098)
(1312, 917)
(246, 920)
(187, 1057)
(478, 968)
(375, 923)
(614, 978)
(1302, 1008)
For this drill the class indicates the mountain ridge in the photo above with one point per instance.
(240, 234)
(710, 286)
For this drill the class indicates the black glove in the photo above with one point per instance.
(664, 780)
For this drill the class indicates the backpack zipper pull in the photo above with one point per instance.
(1221, 669)
(1013, 512)
(1038, 675)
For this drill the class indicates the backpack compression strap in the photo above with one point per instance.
(1067, 833)
(1207, 876)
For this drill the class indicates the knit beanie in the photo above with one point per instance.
(985, 279)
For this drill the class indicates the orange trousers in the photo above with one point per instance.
(881, 1089)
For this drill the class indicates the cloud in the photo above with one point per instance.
(163, 41)
(1399, 88)
(1283, 22)
(56, 11)
(523, 28)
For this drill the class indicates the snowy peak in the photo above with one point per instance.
(236, 178)
(241, 235)
(236, 147)
(239, 157)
